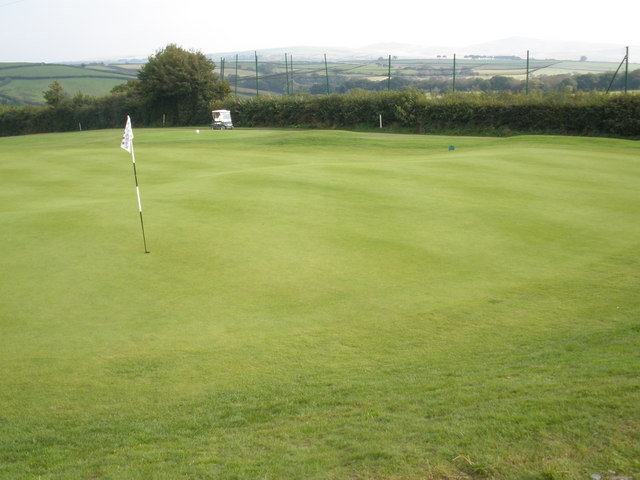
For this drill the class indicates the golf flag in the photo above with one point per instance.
(127, 137)
(127, 144)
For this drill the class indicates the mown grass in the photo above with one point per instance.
(318, 305)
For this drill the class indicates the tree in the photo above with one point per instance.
(55, 95)
(501, 83)
(180, 84)
(587, 81)
(568, 84)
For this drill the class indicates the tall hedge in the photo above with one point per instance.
(463, 113)
(86, 112)
(492, 114)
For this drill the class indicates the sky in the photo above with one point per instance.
(85, 30)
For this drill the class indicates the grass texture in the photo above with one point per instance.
(319, 305)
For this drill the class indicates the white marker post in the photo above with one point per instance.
(127, 144)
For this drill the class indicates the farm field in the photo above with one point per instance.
(319, 305)
(25, 83)
(273, 74)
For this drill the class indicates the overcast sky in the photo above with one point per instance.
(66, 30)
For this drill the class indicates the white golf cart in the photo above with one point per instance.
(221, 120)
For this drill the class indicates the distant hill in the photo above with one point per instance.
(24, 83)
(545, 49)
(516, 46)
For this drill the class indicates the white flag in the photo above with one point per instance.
(127, 138)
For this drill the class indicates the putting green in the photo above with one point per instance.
(318, 304)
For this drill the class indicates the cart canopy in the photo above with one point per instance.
(221, 116)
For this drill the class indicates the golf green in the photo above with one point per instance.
(319, 305)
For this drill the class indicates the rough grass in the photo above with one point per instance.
(318, 305)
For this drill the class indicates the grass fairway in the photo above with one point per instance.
(319, 305)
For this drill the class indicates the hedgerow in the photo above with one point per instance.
(593, 114)
(412, 110)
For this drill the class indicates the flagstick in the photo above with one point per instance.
(135, 175)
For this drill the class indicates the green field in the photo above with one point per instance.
(319, 305)
(25, 83)
(416, 69)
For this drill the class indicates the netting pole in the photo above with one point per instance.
(454, 72)
(236, 80)
(326, 69)
(526, 83)
(389, 76)
(286, 71)
(291, 69)
(257, 84)
(625, 59)
(626, 71)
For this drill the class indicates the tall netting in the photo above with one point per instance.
(469, 73)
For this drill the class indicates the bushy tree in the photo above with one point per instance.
(180, 84)
(55, 95)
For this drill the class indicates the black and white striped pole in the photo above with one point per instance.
(127, 144)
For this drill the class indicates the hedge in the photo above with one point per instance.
(490, 114)
(463, 113)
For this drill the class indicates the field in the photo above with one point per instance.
(273, 74)
(319, 305)
(25, 83)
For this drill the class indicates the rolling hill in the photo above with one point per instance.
(24, 83)
(515, 46)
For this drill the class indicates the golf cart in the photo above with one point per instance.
(221, 120)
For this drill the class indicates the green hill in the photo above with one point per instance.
(24, 83)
